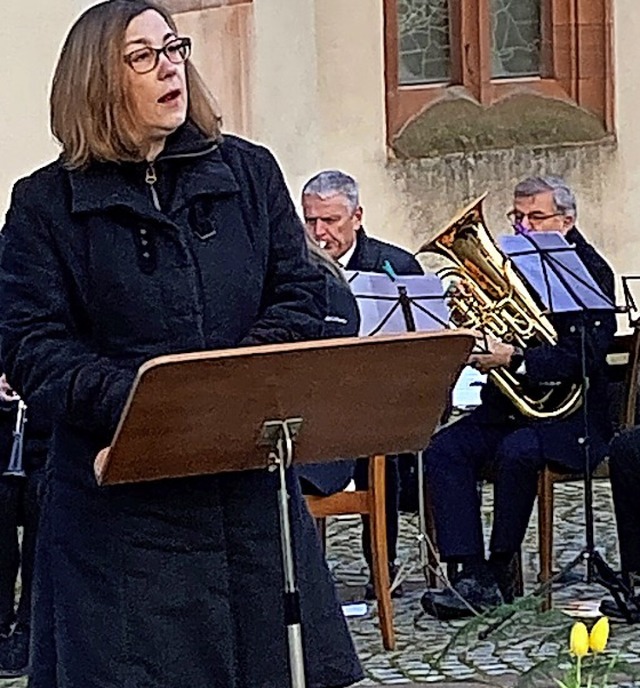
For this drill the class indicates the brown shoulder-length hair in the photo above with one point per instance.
(90, 114)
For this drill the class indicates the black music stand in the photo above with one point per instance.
(630, 306)
(553, 269)
(392, 304)
(395, 304)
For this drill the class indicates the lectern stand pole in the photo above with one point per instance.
(280, 436)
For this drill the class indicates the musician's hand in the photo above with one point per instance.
(6, 392)
(498, 354)
(459, 290)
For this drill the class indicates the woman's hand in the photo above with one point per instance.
(7, 394)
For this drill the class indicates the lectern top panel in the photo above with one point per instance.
(356, 396)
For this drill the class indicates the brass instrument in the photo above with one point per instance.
(494, 298)
(16, 465)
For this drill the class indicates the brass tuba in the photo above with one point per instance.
(495, 299)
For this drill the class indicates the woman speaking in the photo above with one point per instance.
(154, 234)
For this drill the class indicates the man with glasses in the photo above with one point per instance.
(498, 437)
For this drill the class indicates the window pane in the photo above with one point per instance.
(423, 41)
(516, 34)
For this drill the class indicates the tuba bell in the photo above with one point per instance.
(496, 299)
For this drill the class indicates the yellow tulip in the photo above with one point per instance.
(579, 640)
(599, 635)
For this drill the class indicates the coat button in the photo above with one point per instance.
(146, 254)
(572, 328)
(144, 242)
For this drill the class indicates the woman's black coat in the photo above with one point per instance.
(172, 584)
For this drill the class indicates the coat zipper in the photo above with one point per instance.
(151, 178)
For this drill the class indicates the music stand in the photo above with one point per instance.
(395, 304)
(553, 269)
(246, 408)
(392, 304)
(630, 307)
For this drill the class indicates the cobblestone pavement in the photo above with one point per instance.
(430, 652)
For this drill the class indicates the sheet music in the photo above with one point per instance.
(553, 269)
(467, 390)
(379, 305)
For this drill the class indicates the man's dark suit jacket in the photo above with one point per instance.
(370, 255)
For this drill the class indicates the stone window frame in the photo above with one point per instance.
(576, 60)
(180, 6)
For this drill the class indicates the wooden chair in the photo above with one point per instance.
(623, 372)
(370, 502)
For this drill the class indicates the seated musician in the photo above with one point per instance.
(333, 218)
(498, 436)
(624, 467)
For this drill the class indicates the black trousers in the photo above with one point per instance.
(624, 465)
(392, 483)
(454, 462)
(19, 505)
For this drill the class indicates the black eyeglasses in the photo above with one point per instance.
(516, 217)
(146, 59)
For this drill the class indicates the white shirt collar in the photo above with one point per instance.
(344, 259)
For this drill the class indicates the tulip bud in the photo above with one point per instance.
(599, 635)
(579, 639)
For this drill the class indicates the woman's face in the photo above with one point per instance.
(158, 97)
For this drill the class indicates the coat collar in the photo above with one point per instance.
(358, 257)
(102, 186)
(573, 236)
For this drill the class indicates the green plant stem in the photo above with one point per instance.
(578, 670)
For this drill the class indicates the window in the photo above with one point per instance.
(516, 36)
(424, 48)
(497, 48)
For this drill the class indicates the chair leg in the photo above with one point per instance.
(545, 531)
(380, 572)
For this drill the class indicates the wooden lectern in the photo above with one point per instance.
(270, 406)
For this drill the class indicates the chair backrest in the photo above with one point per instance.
(353, 502)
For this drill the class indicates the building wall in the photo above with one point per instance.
(306, 77)
(29, 50)
(319, 101)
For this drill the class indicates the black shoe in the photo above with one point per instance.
(14, 654)
(396, 593)
(505, 572)
(610, 608)
(473, 592)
